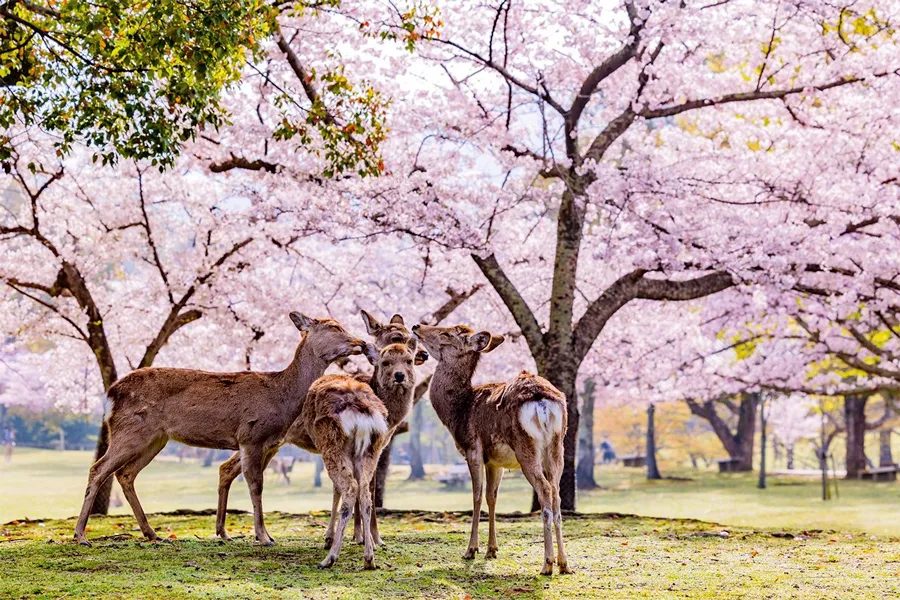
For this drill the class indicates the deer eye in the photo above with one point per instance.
(385, 363)
(409, 361)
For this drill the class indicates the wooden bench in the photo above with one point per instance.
(634, 461)
(456, 476)
(729, 465)
(888, 473)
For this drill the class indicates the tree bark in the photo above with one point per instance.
(320, 466)
(584, 474)
(652, 468)
(790, 457)
(761, 484)
(739, 444)
(885, 458)
(416, 465)
(381, 473)
(855, 422)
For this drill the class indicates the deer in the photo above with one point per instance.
(350, 423)
(248, 411)
(382, 334)
(517, 424)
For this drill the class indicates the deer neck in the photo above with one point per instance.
(451, 391)
(304, 369)
(398, 400)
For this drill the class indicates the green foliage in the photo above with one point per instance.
(132, 78)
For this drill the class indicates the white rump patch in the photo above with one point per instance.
(541, 419)
(360, 427)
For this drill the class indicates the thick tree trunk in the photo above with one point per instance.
(885, 457)
(790, 457)
(564, 379)
(739, 444)
(761, 484)
(416, 464)
(855, 420)
(584, 474)
(381, 473)
(208, 459)
(652, 468)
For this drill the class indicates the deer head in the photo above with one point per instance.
(328, 340)
(449, 343)
(394, 364)
(392, 332)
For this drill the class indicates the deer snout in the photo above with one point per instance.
(399, 377)
(415, 327)
(421, 357)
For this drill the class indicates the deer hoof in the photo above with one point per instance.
(470, 553)
(85, 543)
(548, 568)
(225, 537)
(564, 569)
(327, 563)
(491, 553)
(380, 542)
(369, 565)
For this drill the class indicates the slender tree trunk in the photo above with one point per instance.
(586, 457)
(652, 468)
(762, 446)
(822, 455)
(320, 466)
(693, 458)
(381, 473)
(416, 464)
(790, 457)
(885, 458)
(855, 419)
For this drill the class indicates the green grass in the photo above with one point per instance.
(830, 551)
(48, 484)
(624, 557)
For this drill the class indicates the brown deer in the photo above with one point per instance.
(383, 334)
(519, 424)
(350, 425)
(250, 412)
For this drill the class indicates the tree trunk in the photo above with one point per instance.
(584, 475)
(320, 466)
(416, 464)
(652, 468)
(208, 459)
(886, 458)
(564, 379)
(739, 444)
(855, 420)
(381, 473)
(790, 457)
(761, 484)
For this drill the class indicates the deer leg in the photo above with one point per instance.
(126, 476)
(340, 470)
(492, 475)
(335, 502)
(534, 473)
(376, 537)
(253, 463)
(367, 481)
(555, 465)
(115, 458)
(228, 472)
(476, 470)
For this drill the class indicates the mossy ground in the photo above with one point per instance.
(613, 557)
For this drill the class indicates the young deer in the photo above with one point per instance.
(393, 332)
(350, 425)
(250, 412)
(519, 424)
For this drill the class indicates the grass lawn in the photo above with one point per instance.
(48, 484)
(613, 557)
(847, 548)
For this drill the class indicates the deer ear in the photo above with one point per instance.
(397, 320)
(412, 343)
(372, 324)
(301, 321)
(496, 340)
(478, 342)
(372, 354)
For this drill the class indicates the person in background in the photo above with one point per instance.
(9, 440)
